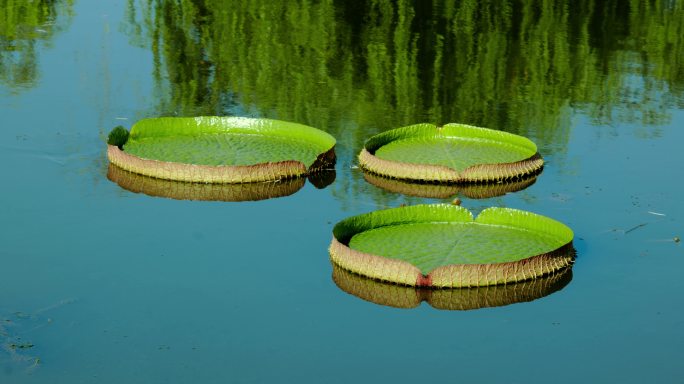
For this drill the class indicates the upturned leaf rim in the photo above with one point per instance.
(451, 275)
(431, 173)
(323, 142)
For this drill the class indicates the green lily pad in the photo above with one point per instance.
(453, 153)
(221, 149)
(461, 299)
(442, 245)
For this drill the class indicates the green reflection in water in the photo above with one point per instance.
(508, 65)
(358, 68)
(23, 26)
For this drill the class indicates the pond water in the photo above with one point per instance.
(104, 284)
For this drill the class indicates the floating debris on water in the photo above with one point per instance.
(16, 347)
(21, 346)
(636, 227)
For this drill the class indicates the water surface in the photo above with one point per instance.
(119, 286)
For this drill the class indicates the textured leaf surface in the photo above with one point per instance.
(442, 245)
(213, 141)
(223, 149)
(454, 152)
(431, 245)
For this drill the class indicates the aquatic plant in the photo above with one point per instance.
(442, 246)
(453, 153)
(520, 67)
(222, 149)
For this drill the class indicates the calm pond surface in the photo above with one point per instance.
(105, 284)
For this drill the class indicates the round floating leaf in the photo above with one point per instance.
(223, 149)
(453, 153)
(442, 245)
(400, 296)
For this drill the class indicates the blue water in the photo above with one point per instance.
(124, 287)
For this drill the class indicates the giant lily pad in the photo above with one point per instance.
(221, 149)
(453, 153)
(400, 296)
(442, 245)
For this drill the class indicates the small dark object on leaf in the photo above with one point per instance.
(118, 136)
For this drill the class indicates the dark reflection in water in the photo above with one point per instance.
(357, 68)
(398, 296)
(322, 179)
(445, 191)
(509, 65)
(213, 192)
(23, 26)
